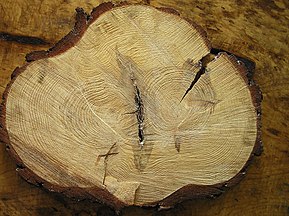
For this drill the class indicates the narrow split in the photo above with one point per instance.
(203, 65)
(139, 113)
(126, 64)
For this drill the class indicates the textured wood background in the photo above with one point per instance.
(258, 30)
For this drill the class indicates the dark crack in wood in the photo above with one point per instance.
(22, 39)
(177, 143)
(128, 65)
(140, 116)
(203, 65)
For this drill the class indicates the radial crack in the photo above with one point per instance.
(139, 115)
(128, 65)
(203, 65)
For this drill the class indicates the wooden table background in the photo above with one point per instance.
(257, 29)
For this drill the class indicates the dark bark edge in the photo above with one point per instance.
(102, 195)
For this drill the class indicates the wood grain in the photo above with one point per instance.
(255, 29)
(80, 97)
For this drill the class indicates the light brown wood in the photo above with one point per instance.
(251, 28)
(115, 110)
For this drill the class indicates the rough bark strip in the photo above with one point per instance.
(102, 8)
(101, 194)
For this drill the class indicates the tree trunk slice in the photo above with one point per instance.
(130, 108)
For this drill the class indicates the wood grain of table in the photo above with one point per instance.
(257, 30)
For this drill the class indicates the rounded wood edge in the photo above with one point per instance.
(66, 42)
(99, 194)
(94, 194)
(201, 31)
(212, 191)
(256, 96)
(83, 21)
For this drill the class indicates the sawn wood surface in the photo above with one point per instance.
(257, 30)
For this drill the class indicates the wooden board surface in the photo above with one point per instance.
(256, 29)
